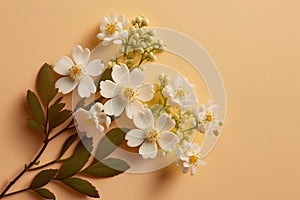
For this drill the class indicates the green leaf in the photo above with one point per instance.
(45, 193)
(107, 168)
(43, 178)
(82, 186)
(67, 144)
(56, 115)
(79, 158)
(58, 105)
(109, 143)
(35, 125)
(35, 107)
(46, 84)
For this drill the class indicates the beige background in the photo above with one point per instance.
(256, 45)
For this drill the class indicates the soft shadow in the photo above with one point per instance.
(162, 182)
(90, 40)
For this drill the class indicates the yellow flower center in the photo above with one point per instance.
(180, 93)
(208, 117)
(153, 135)
(128, 94)
(75, 73)
(89, 121)
(111, 28)
(193, 159)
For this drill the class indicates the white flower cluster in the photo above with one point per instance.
(113, 29)
(93, 121)
(165, 114)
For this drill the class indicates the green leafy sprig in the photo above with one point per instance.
(48, 116)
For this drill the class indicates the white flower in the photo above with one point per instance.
(207, 117)
(151, 134)
(93, 121)
(103, 121)
(126, 92)
(180, 92)
(188, 157)
(112, 30)
(78, 72)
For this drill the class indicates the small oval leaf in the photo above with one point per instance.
(35, 125)
(67, 144)
(45, 193)
(57, 116)
(79, 158)
(109, 143)
(46, 83)
(82, 186)
(35, 107)
(107, 168)
(42, 178)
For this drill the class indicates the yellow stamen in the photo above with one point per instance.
(128, 94)
(208, 117)
(75, 73)
(180, 93)
(193, 159)
(111, 28)
(153, 136)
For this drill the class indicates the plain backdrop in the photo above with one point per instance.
(256, 45)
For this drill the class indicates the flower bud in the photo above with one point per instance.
(151, 32)
(138, 19)
(145, 22)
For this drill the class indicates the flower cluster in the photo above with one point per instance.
(165, 113)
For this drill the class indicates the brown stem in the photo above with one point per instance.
(26, 168)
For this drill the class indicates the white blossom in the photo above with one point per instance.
(112, 29)
(180, 92)
(207, 117)
(151, 134)
(188, 157)
(93, 121)
(77, 72)
(127, 91)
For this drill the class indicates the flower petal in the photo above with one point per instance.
(65, 85)
(109, 89)
(105, 20)
(165, 123)
(137, 77)
(114, 106)
(186, 164)
(200, 162)
(94, 68)
(117, 41)
(133, 107)
(145, 92)
(177, 82)
(120, 74)
(85, 122)
(168, 141)
(62, 65)
(185, 170)
(143, 119)
(80, 56)
(193, 170)
(105, 43)
(135, 137)
(86, 87)
(195, 148)
(148, 150)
